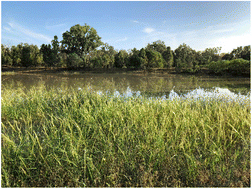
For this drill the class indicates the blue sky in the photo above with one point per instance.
(125, 25)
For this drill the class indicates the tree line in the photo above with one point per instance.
(82, 47)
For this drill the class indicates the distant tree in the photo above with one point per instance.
(184, 57)
(211, 54)
(227, 57)
(155, 59)
(143, 58)
(26, 60)
(55, 50)
(48, 55)
(168, 57)
(35, 55)
(134, 60)
(121, 59)
(80, 40)
(6, 56)
(74, 61)
(16, 52)
(30, 55)
(241, 52)
(158, 46)
(108, 54)
(246, 53)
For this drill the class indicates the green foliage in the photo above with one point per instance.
(235, 67)
(239, 66)
(30, 56)
(134, 59)
(68, 138)
(48, 55)
(158, 46)
(184, 57)
(211, 54)
(16, 52)
(155, 59)
(80, 40)
(143, 60)
(219, 67)
(168, 57)
(74, 61)
(6, 56)
(121, 59)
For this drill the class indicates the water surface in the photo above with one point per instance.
(151, 84)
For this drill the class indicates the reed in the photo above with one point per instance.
(82, 138)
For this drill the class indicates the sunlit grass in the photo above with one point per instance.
(77, 138)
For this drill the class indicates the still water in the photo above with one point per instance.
(150, 84)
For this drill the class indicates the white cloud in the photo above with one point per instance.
(7, 29)
(135, 21)
(148, 30)
(232, 42)
(120, 40)
(18, 28)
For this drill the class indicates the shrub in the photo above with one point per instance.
(218, 67)
(74, 61)
(239, 66)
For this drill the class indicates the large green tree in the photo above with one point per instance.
(211, 54)
(184, 57)
(158, 46)
(80, 40)
(155, 59)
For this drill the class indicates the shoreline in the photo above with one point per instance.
(43, 70)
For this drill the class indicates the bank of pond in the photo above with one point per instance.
(68, 137)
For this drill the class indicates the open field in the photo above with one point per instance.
(83, 138)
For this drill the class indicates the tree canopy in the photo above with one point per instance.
(82, 47)
(80, 40)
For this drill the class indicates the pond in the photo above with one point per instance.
(150, 84)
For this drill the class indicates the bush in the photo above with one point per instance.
(239, 66)
(218, 67)
(74, 61)
(236, 66)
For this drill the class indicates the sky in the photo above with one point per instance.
(131, 24)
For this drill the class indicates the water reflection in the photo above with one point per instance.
(152, 84)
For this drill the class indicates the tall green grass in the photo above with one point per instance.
(69, 138)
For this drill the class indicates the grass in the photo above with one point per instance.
(81, 138)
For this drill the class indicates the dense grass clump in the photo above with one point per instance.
(81, 138)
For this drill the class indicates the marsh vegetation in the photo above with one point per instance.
(82, 137)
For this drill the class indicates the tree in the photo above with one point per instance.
(26, 60)
(80, 40)
(5, 55)
(155, 59)
(35, 55)
(168, 57)
(108, 54)
(30, 55)
(211, 54)
(48, 55)
(246, 52)
(158, 46)
(184, 57)
(55, 50)
(121, 59)
(143, 58)
(16, 52)
(134, 60)
(74, 61)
